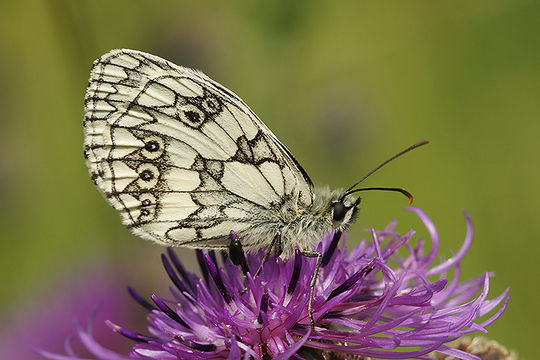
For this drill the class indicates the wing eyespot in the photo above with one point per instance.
(147, 199)
(145, 215)
(211, 105)
(146, 202)
(154, 147)
(191, 115)
(151, 146)
(146, 175)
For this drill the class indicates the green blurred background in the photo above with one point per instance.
(343, 84)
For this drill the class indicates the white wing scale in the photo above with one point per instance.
(182, 158)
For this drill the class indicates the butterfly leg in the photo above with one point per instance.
(318, 255)
(236, 253)
(274, 248)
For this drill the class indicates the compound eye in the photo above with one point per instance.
(339, 211)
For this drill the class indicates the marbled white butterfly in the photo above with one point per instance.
(185, 161)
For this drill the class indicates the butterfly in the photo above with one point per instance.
(185, 161)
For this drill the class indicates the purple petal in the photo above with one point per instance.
(453, 261)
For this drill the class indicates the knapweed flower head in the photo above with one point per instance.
(382, 299)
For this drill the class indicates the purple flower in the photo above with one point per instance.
(383, 298)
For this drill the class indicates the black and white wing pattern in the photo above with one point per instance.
(183, 159)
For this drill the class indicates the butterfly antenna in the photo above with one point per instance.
(400, 190)
(424, 142)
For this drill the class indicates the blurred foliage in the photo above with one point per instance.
(343, 84)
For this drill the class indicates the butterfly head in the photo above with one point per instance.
(344, 211)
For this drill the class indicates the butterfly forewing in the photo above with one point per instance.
(182, 158)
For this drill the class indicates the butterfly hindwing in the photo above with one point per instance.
(182, 158)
